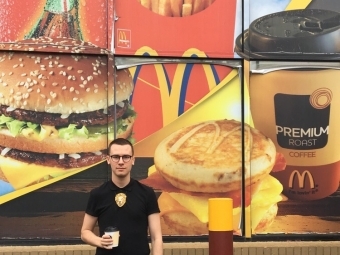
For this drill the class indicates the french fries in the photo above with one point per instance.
(198, 6)
(164, 8)
(186, 10)
(155, 6)
(176, 8)
(207, 3)
(146, 3)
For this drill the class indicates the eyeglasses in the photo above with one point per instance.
(116, 158)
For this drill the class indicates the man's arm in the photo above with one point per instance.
(89, 237)
(155, 234)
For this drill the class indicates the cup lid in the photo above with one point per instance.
(110, 229)
(292, 34)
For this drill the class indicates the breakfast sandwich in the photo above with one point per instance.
(204, 161)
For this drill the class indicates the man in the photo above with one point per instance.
(126, 204)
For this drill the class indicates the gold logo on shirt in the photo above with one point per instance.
(120, 199)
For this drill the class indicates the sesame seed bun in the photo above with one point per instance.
(61, 96)
(207, 157)
(61, 83)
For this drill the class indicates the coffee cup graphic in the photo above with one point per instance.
(296, 105)
(293, 34)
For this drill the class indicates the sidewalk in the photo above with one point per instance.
(240, 248)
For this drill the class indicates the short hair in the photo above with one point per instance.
(121, 141)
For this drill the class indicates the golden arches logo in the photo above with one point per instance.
(171, 113)
(123, 38)
(301, 179)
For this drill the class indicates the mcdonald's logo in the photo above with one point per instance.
(177, 97)
(123, 38)
(301, 179)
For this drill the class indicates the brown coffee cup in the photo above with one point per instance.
(297, 105)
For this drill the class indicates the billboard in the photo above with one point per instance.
(204, 122)
(298, 114)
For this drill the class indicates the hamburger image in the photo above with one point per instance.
(58, 110)
(204, 161)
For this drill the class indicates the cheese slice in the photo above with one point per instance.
(268, 194)
(20, 174)
(169, 205)
(199, 206)
(23, 174)
(46, 132)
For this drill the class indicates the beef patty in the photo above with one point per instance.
(98, 117)
(54, 160)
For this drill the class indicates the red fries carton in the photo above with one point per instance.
(203, 28)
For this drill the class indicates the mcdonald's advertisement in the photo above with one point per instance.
(178, 94)
(174, 27)
(46, 46)
(192, 103)
(299, 114)
(187, 149)
(54, 27)
(184, 118)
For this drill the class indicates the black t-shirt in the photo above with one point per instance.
(131, 219)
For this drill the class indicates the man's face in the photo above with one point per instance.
(121, 160)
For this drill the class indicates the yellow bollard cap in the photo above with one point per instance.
(220, 214)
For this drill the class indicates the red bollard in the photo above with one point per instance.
(221, 226)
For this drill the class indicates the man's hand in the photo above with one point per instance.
(106, 242)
